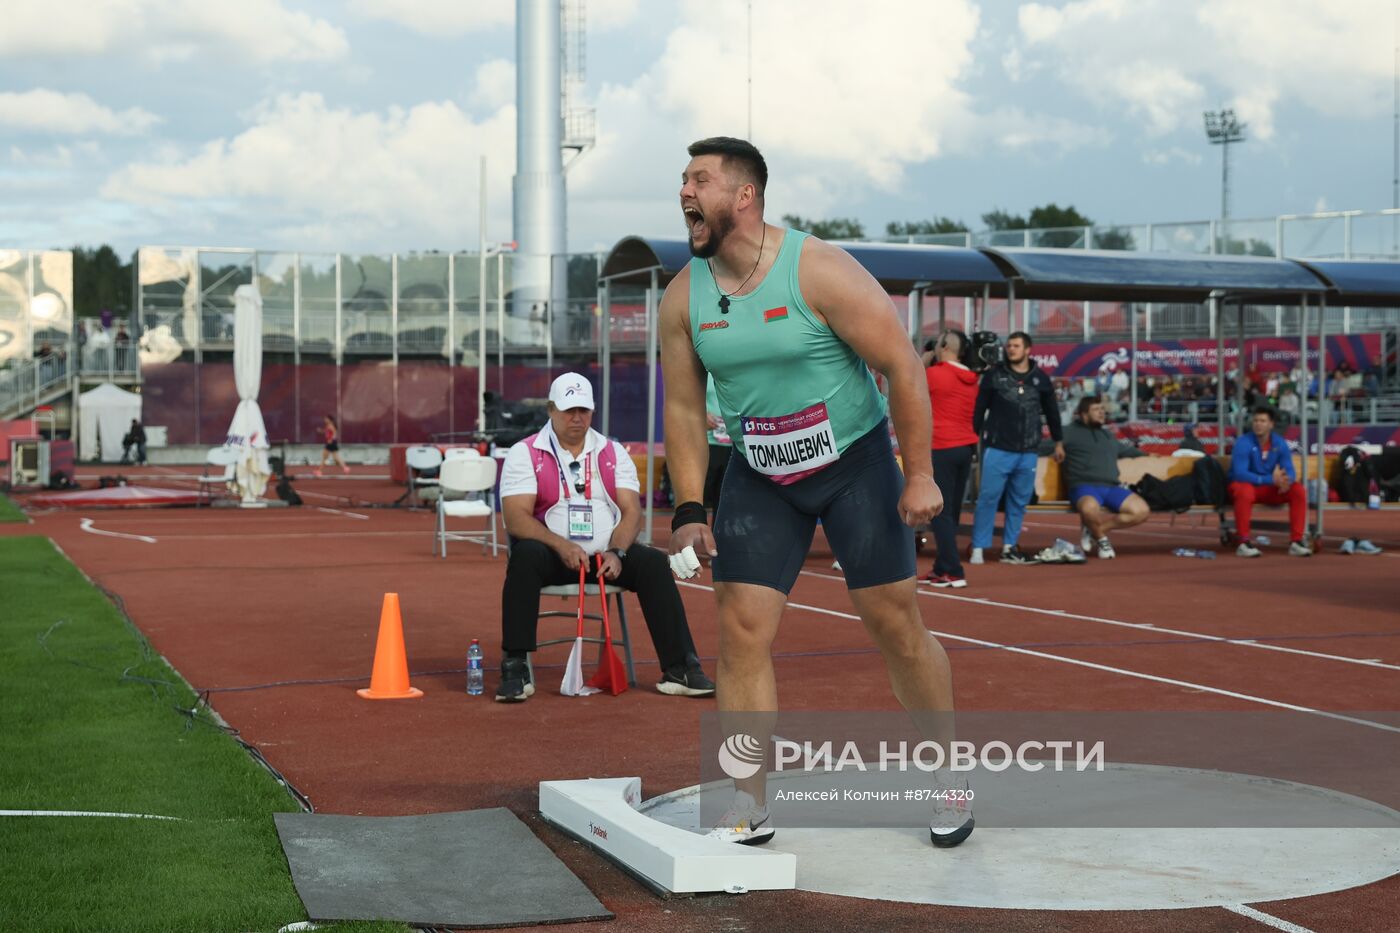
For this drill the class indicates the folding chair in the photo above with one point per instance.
(466, 475)
(455, 453)
(419, 459)
(225, 457)
(569, 591)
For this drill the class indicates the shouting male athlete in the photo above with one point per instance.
(790, 327)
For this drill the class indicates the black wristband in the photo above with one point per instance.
(688, 513)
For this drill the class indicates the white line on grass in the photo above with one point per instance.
(86, 525)
(1269, 920)
(1062, 614)
(125, 816)
(1102, 667)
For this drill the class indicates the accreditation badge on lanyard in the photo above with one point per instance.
(580, 514)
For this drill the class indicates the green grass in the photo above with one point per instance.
(9, 512)
(92, 719)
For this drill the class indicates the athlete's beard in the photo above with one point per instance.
(721, 224)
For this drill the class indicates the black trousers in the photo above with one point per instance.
(951, 468)
(646, 572)
(714, 474)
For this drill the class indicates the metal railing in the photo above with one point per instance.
(27, 384)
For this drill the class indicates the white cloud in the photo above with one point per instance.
(1170, 155)
(45, 111)
(1164, 61)
(320, 177)
(454, 18)
(159, 30)
(495, 84)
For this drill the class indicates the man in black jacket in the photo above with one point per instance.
(1013, 398)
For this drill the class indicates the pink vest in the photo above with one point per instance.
(547, 491)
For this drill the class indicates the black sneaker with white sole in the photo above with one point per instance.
(686, 681)
(516, 686)
(1014, 555)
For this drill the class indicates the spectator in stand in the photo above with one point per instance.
(1371, 382)
(1289, 404)
(952, 392)
(1261, 470)
(122, 338)
(1014, 396)
(1091, 475)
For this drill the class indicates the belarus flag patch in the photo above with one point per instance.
(775, 314)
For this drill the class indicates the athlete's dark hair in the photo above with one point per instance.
(331, 419)
(1021, 335)
(1265, 410)
(1086, 403)
(735, 152)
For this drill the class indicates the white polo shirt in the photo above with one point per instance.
(518, 479)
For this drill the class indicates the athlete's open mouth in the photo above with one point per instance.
(693, 218)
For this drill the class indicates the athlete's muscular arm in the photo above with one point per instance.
(857, 309)
(687, 452)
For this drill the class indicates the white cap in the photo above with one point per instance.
(571, 391)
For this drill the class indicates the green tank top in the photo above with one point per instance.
(793, 394)
(717, 437)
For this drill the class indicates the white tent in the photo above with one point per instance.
(104, 416)
(247, 432)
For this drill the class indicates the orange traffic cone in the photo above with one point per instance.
(389, 680)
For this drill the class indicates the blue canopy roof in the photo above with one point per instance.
(1118, 275)
(1359, 281)
(897, 266)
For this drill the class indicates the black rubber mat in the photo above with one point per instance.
(474, 868)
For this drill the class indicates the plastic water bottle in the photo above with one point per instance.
(474, 672)
(1203, 554)
(1263, 539)
(1373, 498)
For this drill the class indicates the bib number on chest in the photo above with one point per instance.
(789, 447)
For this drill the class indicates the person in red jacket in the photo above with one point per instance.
(952, 391)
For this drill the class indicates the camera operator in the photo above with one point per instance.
(1014, 396)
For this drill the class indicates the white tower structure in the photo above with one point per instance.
(549, 68)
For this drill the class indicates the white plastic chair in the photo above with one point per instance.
(225, 457)
(466, 475)
(419, 459)
(459, 453)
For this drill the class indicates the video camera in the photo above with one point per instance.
(986, 350)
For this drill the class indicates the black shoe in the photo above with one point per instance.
(515, 682)
(1014, 555)
(687, 681)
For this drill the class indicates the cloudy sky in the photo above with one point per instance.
(358, 125)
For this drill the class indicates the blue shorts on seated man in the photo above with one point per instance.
(1108, 497)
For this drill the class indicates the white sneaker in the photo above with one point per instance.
(952, 819)
(976, 557)
(1106, 551)
(1086, 542)
(1246, 549)
(1299, 549)
(745, 822)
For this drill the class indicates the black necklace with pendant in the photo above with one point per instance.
(723, 298)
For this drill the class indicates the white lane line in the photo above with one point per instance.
(1063, 614)
(86, 525)
(1269, 920)
(125, 816)
(1102, 667)
(321, 508)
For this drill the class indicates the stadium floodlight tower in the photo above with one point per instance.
(1222, 129)
(548, 71)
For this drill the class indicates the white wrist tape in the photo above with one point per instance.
(685, 564)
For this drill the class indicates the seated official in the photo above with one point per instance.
(1261, 470)
(567, 494)
(1091, 476)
